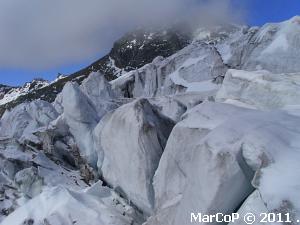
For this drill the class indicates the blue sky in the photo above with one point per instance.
(263, 11)
(258, 12)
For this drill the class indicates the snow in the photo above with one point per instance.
(169, 107)
(112, 64)
(25, 119)
(202, 34)
(253, 149)
(280, 43)
(177, 189)
(81, 117)
(281, 40)
(14, 93)
(29, 182)
(182, 72)
(276, 48)
(58, 78)
(192, 86)
(171, 138)
(253, 204)
(135, 132)
(82, 208)
(260, 89)
(83, 107)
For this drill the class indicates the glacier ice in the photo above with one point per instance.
(260, 89)
(132, 139)
(61, 206)
(212, 128)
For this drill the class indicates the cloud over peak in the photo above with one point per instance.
(39, 34)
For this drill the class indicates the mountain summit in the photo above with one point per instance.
(132, 51)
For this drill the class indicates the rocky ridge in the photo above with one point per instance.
(130, 52)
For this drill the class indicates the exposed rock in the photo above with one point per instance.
(134, 50)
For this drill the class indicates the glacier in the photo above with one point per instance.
(212, 128)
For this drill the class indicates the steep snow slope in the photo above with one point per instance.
(4, 89)
(11, 94)
(275, 47)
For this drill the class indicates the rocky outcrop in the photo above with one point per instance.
(132, 51)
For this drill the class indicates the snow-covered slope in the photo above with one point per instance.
(211, 128)
(61, 206)
(14, 93)
(275, 47)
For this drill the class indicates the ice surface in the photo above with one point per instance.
(254, 146)
(60, 206)
(261, 89)
(164, 140)
(132, 139)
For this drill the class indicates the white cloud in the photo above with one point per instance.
(39, 34)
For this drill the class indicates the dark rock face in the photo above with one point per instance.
(4, 89)
(132, 51)
(139, 48)
(135, 49)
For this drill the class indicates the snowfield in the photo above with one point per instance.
(214, 128)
